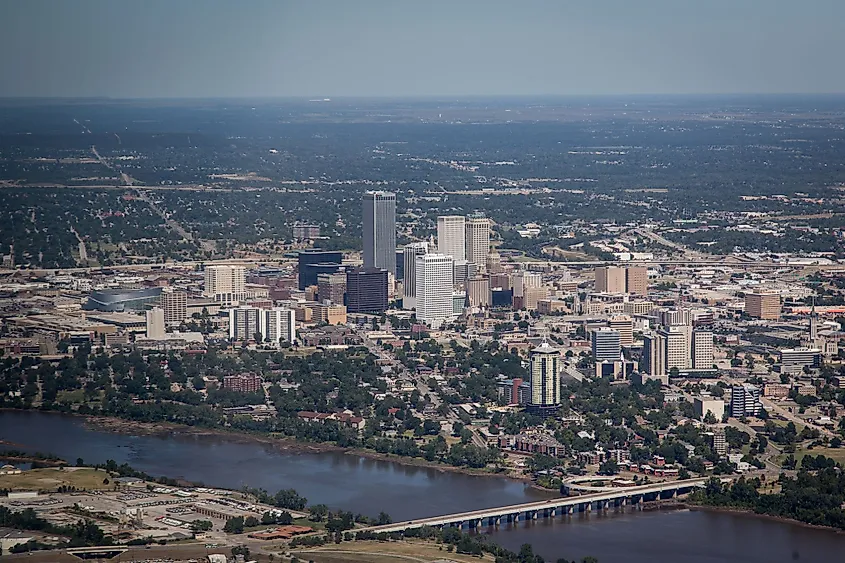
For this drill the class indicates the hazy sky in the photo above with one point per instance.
(211, 48)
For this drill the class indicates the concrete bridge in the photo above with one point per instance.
(623, 496)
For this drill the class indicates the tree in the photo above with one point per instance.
(384, 518)
(240, 550)
(251, 522)
(608, 467)
(234, 525)
(201, 525)
(318, 512)
(290, 499)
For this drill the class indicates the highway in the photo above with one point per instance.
(269, 259)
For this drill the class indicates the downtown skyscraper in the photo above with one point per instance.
(451, 236)
(379, 235)
(478, 241)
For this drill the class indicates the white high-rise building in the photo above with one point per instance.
(677, 348)
(478, 242)
(175, 306)
(545, 379)
(409, 284)
(278, 325)
(155, 323)
(702, 349)
(745, 400)
(226, 284)
(451, 236)
(434, 274)
(379, 234)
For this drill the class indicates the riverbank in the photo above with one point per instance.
(756, 515)
(29, 459)
(281, 443)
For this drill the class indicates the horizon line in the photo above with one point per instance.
(330, 98)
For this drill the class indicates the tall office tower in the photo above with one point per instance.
(545, 368)
(366, 290)
(636, 280)
(478, 242)
(175, 305)
(653, 360)
(155, 323)
(244, 323)
(311, 263)
(451, 236)
(277, 325)
(331, 287)
(478, 291)
(745, 400)
(610, 279)
(409, 286)
(763, 305)
(380, 231)
(226, 284)
(677, 348)
(606, 345)
(702, 349)
(434, 282)
(494, 262)
(624, 325)
(464, 270)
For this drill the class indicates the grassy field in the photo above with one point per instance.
(52, 478)
(384, 552)
(837, 454)
(75, 396)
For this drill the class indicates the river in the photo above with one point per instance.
(369, 486)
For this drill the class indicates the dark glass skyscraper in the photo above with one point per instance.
(380, 230)
(366, 290)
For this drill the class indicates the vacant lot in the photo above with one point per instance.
(53, 478)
